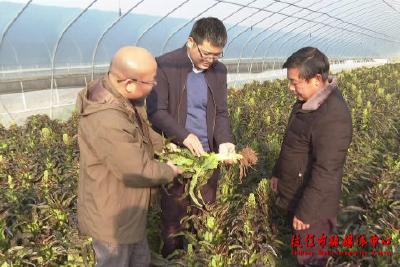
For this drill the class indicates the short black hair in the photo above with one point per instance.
(310, 62)
(210, 29)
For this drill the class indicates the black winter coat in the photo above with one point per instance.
(313, 153)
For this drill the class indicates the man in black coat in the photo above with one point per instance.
(308, 173)
(189, 106)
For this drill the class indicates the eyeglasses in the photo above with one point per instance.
(152, 83)
(208, 55)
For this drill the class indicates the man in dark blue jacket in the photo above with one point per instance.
(189, 106)
(308, 173)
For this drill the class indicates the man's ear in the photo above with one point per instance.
(190, 42)
(318, 80)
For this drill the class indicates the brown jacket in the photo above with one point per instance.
(310, 164)
(167, 103)
(117, 165)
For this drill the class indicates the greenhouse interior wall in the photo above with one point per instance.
(49, 50)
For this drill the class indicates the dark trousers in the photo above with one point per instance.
(173, 209)
(122, 255)
(311, 255)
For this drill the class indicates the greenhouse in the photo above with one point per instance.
(51, 50)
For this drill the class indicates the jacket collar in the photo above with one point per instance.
(126, 103)
(194, 69)
(106, 83)
(319, 98)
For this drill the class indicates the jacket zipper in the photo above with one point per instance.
(300, 175)
(215, 113)
(300, 178)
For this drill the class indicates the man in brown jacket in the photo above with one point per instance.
(189, 106)
(117, 165)
(308, 173)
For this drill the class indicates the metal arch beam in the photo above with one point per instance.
(351, 42)
(289, 37)
(322, 36)
(55, 53)
(286, 17)
(159, 20)
(250, 39)
(184, 25)
(262, 40)
(274, 33)
(266, 37)
(283, 34)
(392, 7)
(79, 50)
(14, 52)
(237, 10)
(350, 34)
(351, 37)
(280, 1)
(375, 18)
(108, 29)
(305, 36)
(286, 42)
(350, 46)
(348, 30)
(289, 25)
(47, 48)
(327, 14)
(299, 18)
(246, 18)
(367, 12)
(272, 41)
(255, 24)
(258, 10)
(8, 27)
(384, 24)
(259, 34)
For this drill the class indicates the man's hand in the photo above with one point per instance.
(274, 184)
(299, 225)
(194, 145)
(226, 149)
(176, 170)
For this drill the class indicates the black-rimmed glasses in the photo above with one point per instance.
(152, 83)
(205, 54)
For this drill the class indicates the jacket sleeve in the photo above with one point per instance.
(276, 169)
(222, 131)
(157, 109)
(156, 140)
(117, 145)
(331, 138)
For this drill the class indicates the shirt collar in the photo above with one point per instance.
(194, 69)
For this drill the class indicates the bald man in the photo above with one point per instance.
(117, 165)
